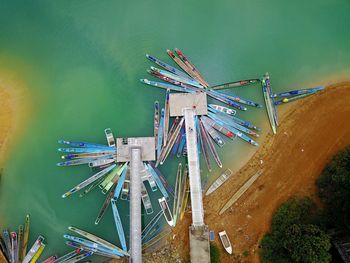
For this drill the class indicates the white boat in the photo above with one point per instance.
(225, 241)
(166, 211)
(110, 137)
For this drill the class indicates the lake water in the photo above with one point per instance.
(82, 61)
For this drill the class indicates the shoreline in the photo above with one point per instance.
(288, 172)
(14, 112)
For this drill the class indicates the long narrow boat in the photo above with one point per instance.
(156, 121)
(222, 109)
(171, 142)
(219, 181)
(109, 178)
(158, 181)
(235, 84)
(101, 162)
(25, 237)
(14, 247)
(120, 183)
(89, 249)
(85, 160)
(91, 187)
(233, 130)
(186, 192)
(173, 126)
(95, 245)
(269, 107)
(235, 119)
(166, 118)
(71, 156)
(212, 93)
(213, 134)
(86, 150)
(298, 92)
(97, 239)
(110, 137)
(160, 134)
(177, 192)
(179, 62)
(182, 145)
(211, 145)
(146, 200)
(161, 178)
(119, 225)
(183, 86)
(146, 231)
(190, 70)
(270, 92)
(193, 68)
(166, 211)
(225, 99)
(89, 180)
(80, 257)
(33, 250)
(38, 253)
(167, 66)
(218, 127)
(225, 241)
(177, 78)
(83, 144)
(114, 179)
(67, 256)
(154, 231)
(105, 205)
(165, 85)
(7, 240)
(240, 100)
(290, 99)
(231, 122)
(177, 143)
(205, 148)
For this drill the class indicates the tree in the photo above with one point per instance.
(334, 190)
(294, 237)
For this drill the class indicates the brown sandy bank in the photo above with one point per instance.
(14, 110)
(312, 130)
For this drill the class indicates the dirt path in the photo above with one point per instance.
(312, 130)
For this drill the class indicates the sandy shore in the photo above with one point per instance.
(312, 130)
(14, 110)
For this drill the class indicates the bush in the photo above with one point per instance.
(334, 190)
(214, 253)
(294, 237)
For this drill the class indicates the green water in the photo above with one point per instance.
(82, 61)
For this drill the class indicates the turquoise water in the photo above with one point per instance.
(82, 61)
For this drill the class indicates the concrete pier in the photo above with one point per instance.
(190, 105)
(135, 206)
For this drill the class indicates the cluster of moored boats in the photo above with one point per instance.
(112, 178)
(14, 246)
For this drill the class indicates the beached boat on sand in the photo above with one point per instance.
(225, 241)
(218, 182)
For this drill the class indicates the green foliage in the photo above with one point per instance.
(214, 253)
(245, 253)
(334, 190)
(294, 237)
